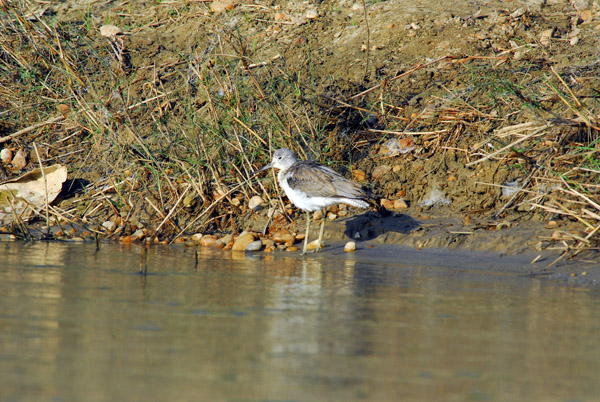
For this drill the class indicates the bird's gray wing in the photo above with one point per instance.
(317, 180)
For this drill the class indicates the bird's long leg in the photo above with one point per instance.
(306, 235)
(324, 217)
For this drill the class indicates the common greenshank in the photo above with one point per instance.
(311, 186)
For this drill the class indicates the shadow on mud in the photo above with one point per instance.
(372, 224)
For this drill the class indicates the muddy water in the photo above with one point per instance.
(80, 324)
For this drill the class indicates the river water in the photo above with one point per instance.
(78, 324)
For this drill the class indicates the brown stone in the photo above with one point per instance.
(380, 171)
(242, 241)
(208, 241)
(387, 204)
(400, 204)
(359, 175)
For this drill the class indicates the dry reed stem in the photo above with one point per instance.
(511, 145)
(45, 188)
(173, 209)
(31, 128)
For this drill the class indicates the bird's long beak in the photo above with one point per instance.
(270, 165)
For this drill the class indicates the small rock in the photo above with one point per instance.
(255, 202)
(279, 16)
(350, 247)
(359, 175)
(268, 242)
(138, 234)
(400, 204)
(282, 236)
(331, 216)
(551, 224)
(196, 237)
(20, 159)
(254, 246)
(109, 225)
(219, 6)
(269, 249)
(313, 244)
(312, 14)
(293, 248)
(227, 239)
(503, 225)
(242, 241)
(396, 168)
(208, 241)
(317, 215)
(6, 155)
(380, 171)
(387, 204)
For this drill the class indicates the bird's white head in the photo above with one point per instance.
(282, 159)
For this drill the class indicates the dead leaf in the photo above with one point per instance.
(29, 191)
(110, 31)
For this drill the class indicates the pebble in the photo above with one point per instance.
(227, 239)
(359, 175)
(293, 248)
(6, 155)
(254, 246)
(268, 242)
(196, 237)
(312, 14)
(350, 247)
(138, 234)
(208, 241)
(109, 225)
(313, 244)
(242, 241)
(387, 204)
(284, 236)
(20, 160)
(255, 203)
(400, 204)
(380, 171)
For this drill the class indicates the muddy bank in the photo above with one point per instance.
(474, 127)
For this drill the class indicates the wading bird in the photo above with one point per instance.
(311, 186)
